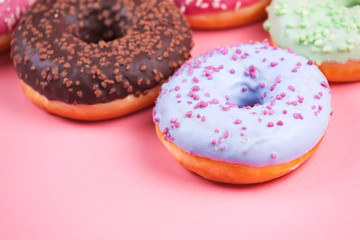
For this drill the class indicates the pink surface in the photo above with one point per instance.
(62, 179)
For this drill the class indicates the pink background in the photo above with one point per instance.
(62, 179)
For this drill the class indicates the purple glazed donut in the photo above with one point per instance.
(254, 107)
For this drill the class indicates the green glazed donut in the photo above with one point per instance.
(324, 31)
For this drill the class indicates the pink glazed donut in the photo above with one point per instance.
(243, 114)
(217, 14)
(10, 13)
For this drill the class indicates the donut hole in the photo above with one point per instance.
(244, 96)
(96, 28)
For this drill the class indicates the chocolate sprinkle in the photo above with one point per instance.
(103, 50)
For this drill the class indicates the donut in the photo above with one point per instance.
(94, 60)
(217, 14)
(324, 31)
(10, 13)
(243, 114)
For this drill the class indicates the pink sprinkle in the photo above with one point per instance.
(278, 97)
(282, 59)
(296, 115)
(188, 114)
(324, 84)
(265, 112)
(232, 71)
(280, 123)
(241, 134)
(195, 88)
(245, 55)
(273, 156)
(252, 68)
(238, 121)
(223, 147)
(244, 128)
(238, 51)
(196, 97)
(261, 84)
(283, 94)
(285, 111)
(195, 80)
(301, 116)
(313, 107)
(227, 97)
(259, 119)
(253, 74)
(294, 70)
(273, 64)
(189, 102)
(226, 134)
(298, 63)
(264, 60)
(272, 87)
(271, 111)
(270, 124)
(179, 101)
(220, 140)
(177, 88)
(215, 101)
(290, 51)
(207, 94)
(301, 99)
(198, 116)
(310, 62)
(203, 104)
(247, 73)
(173, 120)
(178, 95)
(291, 88)
(213, 142)
(235, 57)
(217, 130)
(207, 73)
(244, 89)
(184, 80)
(203, 118)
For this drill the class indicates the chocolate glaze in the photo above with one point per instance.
(90, 51)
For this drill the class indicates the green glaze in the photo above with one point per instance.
(320, 30)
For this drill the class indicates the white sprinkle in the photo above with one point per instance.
(237, 5)
(223, 6)
(204, 5)
(198, 3)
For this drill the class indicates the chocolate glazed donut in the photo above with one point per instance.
(93, 60)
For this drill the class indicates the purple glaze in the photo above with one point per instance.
(274, 121)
